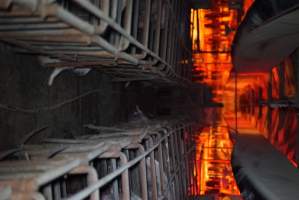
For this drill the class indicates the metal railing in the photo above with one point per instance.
(129, 39)
(137, 163)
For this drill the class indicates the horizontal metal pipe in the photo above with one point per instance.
(94, 183)
(97, 12)
(31, 4)
(57, 172)
(21, 27)
(27, 20)
(75, 21)
(89, 29)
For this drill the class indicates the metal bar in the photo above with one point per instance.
(101, 16)
(56, 190)
(97, 12)
(142, 170)
(124, 174)
(47, 192)
(89, 29)
(161, 165)
(84, 193)
(158, 146)
(125, 178)
(153, 171)
(92, 177)
(115, 182)
(57, 172)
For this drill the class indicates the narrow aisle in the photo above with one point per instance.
(279, 125)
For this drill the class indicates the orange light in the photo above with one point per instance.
(213, 171)
(212, 33)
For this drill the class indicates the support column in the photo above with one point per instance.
(295, 60)
(269, 92)
(260, 97)
(281, 81)
(269, 100)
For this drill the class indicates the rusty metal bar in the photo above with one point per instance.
(84, 193)
(92, 177)
(115, 182)
(48, 21)
(160, 160)
(142, 170)
(78, 158)
(125, 173)
(153, 170)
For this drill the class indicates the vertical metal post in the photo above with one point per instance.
(270, 88)
(47, 191)
(125, 178)
(125, 185)
(142, 170)
(281, 81)
(115, 182)
(236, 100)
(92, 177)
(153, 172)
(295, 59)
(57, 192)
(160, 160)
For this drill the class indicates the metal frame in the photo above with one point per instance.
(149, 164)
(111, 35)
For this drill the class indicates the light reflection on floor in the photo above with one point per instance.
(279, 125)
(213, 173)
